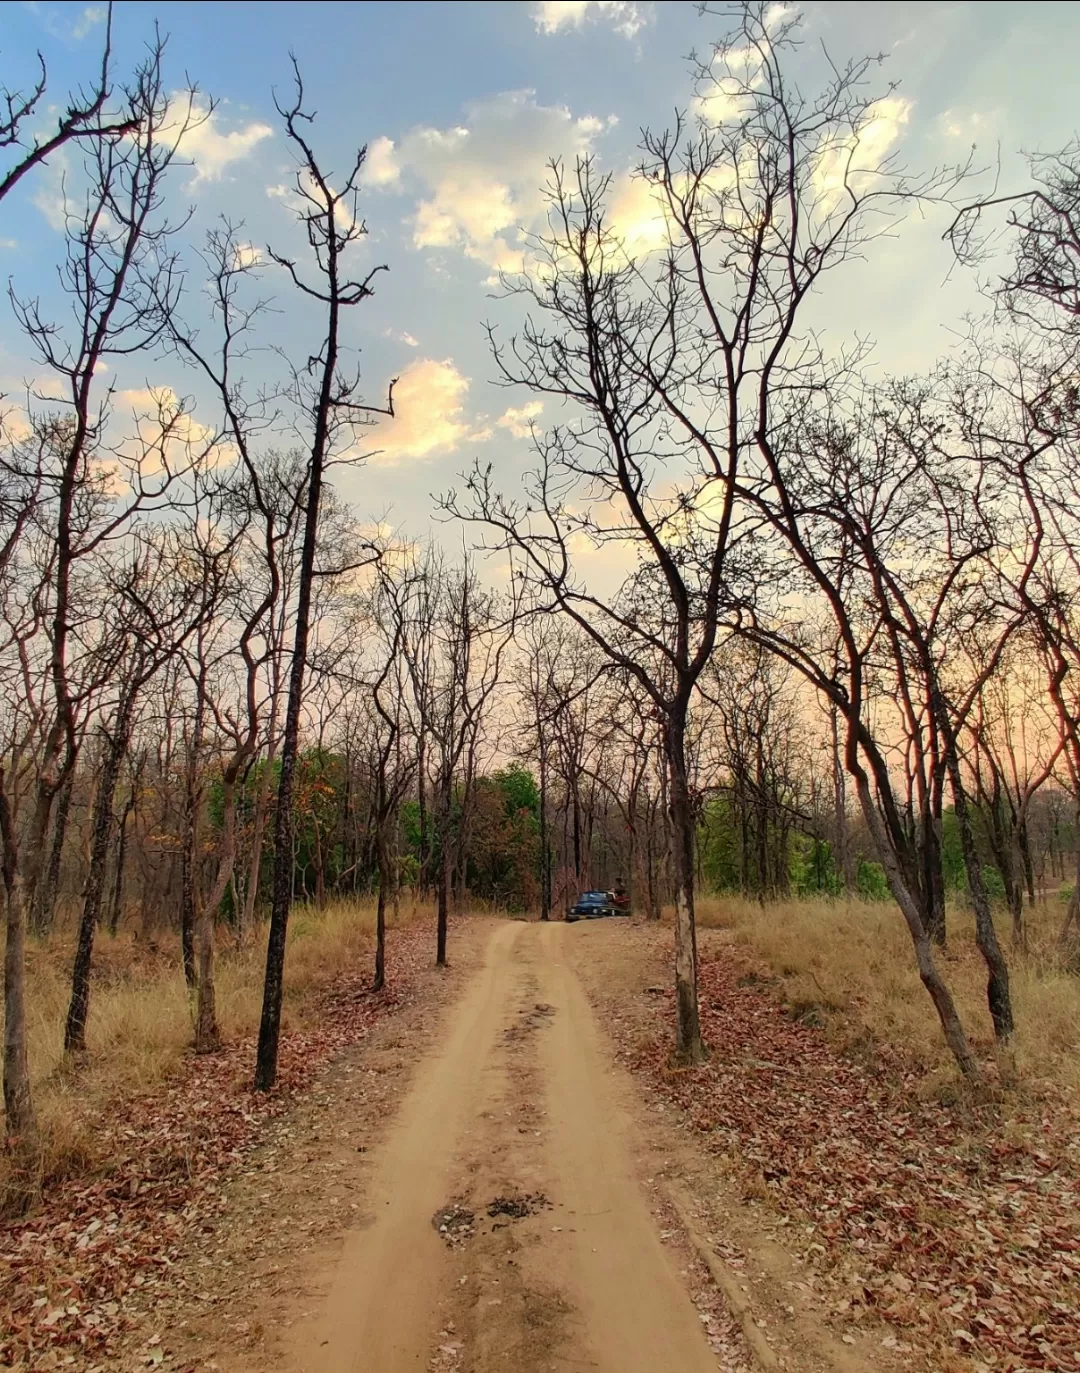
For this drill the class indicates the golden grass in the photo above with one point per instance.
(854, 962)
(140, 1025)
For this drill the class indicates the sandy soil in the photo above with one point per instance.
(480, 1187)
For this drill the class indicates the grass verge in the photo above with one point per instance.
(140, 1026)
(851, 965)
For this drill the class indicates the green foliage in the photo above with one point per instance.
(519, 790)
(995, 887)
(871, 882)
(504, 840)
(318, 805)
(952, 855)
(410, 827)
(812, 868)
(718, 845)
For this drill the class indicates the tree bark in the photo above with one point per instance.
(689, 1046)
(189, 846)
(931, 978)
(379, 980)
(545, 857)
(21, 1122)
(207, 1032)
(843, 834)
(45, 897)
(445, 874)
(101, 833)
(117, 902)
(998, 996)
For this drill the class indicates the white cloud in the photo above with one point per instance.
(624, 16)
(91, 16)
(968, 125)
(246, 255)
(638, 215)
(482, 179)
(164, 427)
(60, 24)
(403, 337)
(380, 166)
(206, 145)
(290, 195)
(197, 136)
(429, 414)
(519, 420)
(9, 242)
(49, 196)
(849, 159)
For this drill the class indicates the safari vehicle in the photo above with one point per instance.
(594, 905)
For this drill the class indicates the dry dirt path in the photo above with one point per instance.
(515, 1109)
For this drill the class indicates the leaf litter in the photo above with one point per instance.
(77, 1275)
(957, 1223)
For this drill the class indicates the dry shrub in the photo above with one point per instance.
(140, 1026)
(853, 962)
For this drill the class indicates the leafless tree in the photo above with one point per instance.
(152, 611)
(86, 118)
(673, 364)
(327, 402)
(119, 270)
(472, 635)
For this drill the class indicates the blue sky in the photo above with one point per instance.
(461, 105)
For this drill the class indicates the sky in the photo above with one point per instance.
(461, 106)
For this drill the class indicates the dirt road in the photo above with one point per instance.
(515, 1134)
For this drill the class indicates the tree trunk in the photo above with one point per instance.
(998, 997)
(934, 877)
(423, 855)
(45, 897)
(21, 1124)
(101, 833)
(207, 1033)
(188, 855)
(258, 827)
(844, 859)
(545, 856)
(445, 875)
(689, 1047)
(579, 877)
(932, 980)
(1069, 936)
(284, 865)
(21, 876)
(117, 902)
(651, 876)
(320, 868)
(18, 1101)
(442, 916)
(379, 980)
(273, 987)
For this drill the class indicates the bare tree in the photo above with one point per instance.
(327, 400)
(84, 119)
(119, 271)
(152, 614)
(394, 762)
(473, 632)
(673, 364)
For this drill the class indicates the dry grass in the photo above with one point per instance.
(853, 963)
(140, 1026)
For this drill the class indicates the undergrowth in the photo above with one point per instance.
(140, 1026)
(850, 966)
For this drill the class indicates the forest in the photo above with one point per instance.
(755, 624)
(843, 658)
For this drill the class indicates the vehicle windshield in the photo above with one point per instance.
(594, 896)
